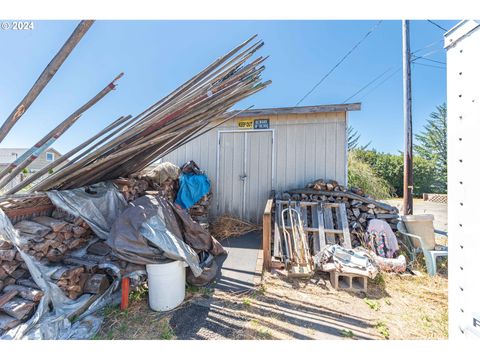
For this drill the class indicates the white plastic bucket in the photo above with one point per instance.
(421, 225)
(166, 285)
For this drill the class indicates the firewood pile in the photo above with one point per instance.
(51, 240)
(131, 188)
(138, 185)
(360, 206)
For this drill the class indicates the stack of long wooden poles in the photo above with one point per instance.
(189, 111)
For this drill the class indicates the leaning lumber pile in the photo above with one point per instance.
(360, 206)
(194, 108)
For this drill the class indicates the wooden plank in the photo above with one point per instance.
(7, 296)
(267, 234)
(347, 243)
(334, 231)
(276, 231)
(328, 223)
(315, 225)
(339, 225)
(321, 227)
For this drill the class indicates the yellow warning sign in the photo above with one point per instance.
(245, 124)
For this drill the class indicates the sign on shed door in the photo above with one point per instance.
(244, 173)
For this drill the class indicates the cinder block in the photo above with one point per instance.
(349, 282)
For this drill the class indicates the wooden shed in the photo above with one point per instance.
(269, 149)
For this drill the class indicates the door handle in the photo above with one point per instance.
(243, 177)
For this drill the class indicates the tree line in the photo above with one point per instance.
(381, 174)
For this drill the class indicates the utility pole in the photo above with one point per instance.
(407, 116)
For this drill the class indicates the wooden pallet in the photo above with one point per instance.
(326, 222)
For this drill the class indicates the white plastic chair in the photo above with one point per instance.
(429, 255)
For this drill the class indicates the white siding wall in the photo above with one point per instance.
(307, 147)
(463, 95)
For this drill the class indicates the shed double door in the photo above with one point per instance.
(244, 173)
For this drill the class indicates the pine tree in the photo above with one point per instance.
(431, 144)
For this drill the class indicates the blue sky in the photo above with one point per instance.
(157, 56)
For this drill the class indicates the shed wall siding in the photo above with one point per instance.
(306, 147)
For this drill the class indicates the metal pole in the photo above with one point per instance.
(407, 114)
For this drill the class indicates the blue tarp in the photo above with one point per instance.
(192, 188)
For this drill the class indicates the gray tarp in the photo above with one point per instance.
(99, 205)
(140, 235)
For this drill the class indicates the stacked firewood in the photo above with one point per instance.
(52, 238)
(360, 206)
(132, 187)
(199, 211)
(76, 280)
(138, 185)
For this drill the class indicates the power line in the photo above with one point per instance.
(367, 85)
(435, 61)
(434, 66)
(381, 83)
(341, 60)
(434, 23)
(428, 46)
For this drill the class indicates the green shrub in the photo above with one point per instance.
(389, 167)
(361, 174)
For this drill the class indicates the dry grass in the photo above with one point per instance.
(395, 307)
(226, 227)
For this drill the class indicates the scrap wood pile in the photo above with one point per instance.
(84, 264)
(360, 207)
(327, 217)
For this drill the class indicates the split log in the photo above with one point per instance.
(7, 255)
(5, 245)
(6, 297)
(90, 266)
(19, 273)
(97, 284)
(7, 322)
(10, 267)
(3, 273)
(54, 224)
(26, 292)
(18, 308)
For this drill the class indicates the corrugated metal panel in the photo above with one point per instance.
(307, 147)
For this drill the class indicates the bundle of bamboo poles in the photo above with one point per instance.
(186, 113)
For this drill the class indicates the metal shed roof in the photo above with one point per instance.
(299, 110)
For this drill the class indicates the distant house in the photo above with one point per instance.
(9, 155)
